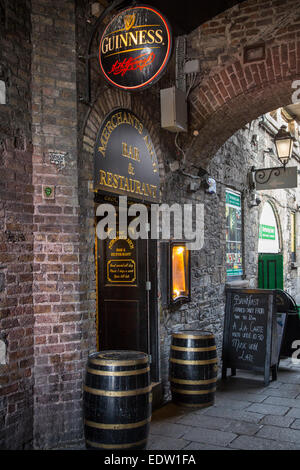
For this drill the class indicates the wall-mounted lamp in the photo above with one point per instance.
(180, 272)
(284, 145)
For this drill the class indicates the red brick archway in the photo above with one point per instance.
(233, 91)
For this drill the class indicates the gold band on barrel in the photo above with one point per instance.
(109, 393)
(193, 392)
(202, 363)
(115, 446)
(138, 424)
(118, 373)
(193, 382)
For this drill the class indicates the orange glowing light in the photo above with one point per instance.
(178, 272)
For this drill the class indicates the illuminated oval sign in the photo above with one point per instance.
(135, 48)
(125, 161)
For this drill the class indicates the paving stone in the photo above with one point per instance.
(171, 413)
(204, 421)
(199, 446)
(282, 421)
(296, 424)
(283, 392)
(266, 409)
(221, 412)
(256, 443)
(291, 378)
(232, 404)
(289, 402)
(209, 436)
(164, 429)
(291, 387)
(241, 427)
(165, 443)
(280, 434)
(255, 397)
(294, 412)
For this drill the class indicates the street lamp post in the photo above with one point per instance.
(284, 145)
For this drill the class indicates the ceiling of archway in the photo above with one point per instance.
(186, 16)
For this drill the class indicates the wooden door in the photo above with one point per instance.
(123, 300)
(270, 271)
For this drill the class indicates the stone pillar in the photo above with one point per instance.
(56, 292)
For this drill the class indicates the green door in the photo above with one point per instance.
(270, 271)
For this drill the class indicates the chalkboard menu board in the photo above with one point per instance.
(250, 335)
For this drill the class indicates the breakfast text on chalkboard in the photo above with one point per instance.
(249, 329)
(248, 326)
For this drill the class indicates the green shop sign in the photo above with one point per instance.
(266, 232)
(233, 199)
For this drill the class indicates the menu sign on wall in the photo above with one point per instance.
(135, 48)
(120, 262)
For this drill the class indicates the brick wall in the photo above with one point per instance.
(16, 241)
(59, 343)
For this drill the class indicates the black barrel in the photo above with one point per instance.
(117, 400)
(193, 368)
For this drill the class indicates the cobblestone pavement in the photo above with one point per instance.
(246, 415)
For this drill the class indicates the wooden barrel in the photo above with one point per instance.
(117, 400)
(193, 368)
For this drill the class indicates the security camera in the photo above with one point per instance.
(254, 200)
(209, 184)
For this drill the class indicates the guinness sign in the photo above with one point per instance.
(125, 161)
(135, 48)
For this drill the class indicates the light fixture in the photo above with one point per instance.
(180, 272)
(284, 145)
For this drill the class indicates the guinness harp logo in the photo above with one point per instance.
(129, 21)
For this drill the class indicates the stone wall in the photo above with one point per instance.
(229, 167)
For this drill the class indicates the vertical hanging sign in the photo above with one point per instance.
(135, 48)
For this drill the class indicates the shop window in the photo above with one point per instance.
(293, 236)
(234, 248)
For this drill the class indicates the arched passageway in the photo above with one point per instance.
(250, 62)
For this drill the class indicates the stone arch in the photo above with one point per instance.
(233, 91)
(107, 99)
